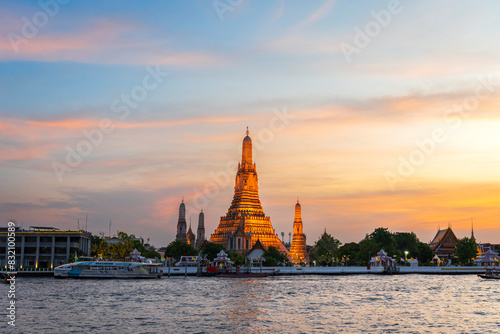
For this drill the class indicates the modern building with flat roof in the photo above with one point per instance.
(43, 247)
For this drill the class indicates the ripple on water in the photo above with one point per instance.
(302, 304)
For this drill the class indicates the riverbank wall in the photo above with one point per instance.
(452, 270)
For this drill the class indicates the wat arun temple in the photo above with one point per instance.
(245, 223)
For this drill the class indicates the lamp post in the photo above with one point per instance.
(406, 256)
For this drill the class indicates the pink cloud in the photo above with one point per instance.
(96, 41)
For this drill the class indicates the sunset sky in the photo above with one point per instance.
(374, 114)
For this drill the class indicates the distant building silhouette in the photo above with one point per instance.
(200, 234)
(181, 223)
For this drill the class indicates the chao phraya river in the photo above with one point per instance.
(285, 304)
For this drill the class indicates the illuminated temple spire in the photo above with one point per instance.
(245, 221)
(298, 249)
(190, 237)
(246, 154)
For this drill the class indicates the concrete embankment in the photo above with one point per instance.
(34, 273)
(191, 271)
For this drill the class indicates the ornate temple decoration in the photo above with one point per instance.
(298, 249)
(245, 221)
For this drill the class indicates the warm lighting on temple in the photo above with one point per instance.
(298, 249)
(245, 221)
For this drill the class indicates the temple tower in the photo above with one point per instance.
(200, 237)
(181, 223)
(190, 236)
(245, 221)
(298, 249)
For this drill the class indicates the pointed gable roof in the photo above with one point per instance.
(258, 245)
(444, 237)
(444, 242)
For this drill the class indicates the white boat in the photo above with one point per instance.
(107, 269)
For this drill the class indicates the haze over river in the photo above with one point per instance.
(284, 304)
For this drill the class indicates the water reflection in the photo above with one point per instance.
(302, 304)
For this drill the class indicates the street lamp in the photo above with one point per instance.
(406, 256)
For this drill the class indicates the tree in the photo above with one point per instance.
(273, 257)
(350, 250)
(379, 239)
(407, 242)
(210, 250)
(425, 253)
(325, 249)
(177, 248)
(99, 246)
(238, 259)
(466, 250)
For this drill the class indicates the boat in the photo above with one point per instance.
(490, 274)
(107, 269)
(247, 273)
(5, 278)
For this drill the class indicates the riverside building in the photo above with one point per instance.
(43, 247)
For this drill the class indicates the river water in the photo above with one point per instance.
(284, 304)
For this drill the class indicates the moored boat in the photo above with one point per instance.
(107, 269)
(248, 273)
(490, 274)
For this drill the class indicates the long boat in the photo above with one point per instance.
(490, 274)
(247, 273)
(107, 269)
